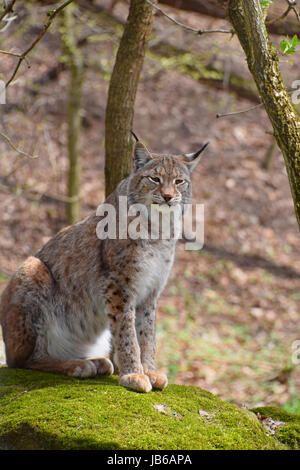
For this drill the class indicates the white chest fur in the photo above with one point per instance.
(154, 269)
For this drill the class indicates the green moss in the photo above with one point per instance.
(277, 413)
(47, 411)
(289, 433)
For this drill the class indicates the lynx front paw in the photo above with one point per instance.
(138, 382)
(104, 366)
(158, 379)
(82, 369)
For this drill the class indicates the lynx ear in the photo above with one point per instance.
(141, 155)
(191, 160)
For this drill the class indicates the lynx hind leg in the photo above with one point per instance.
(19, 305)
(18, 337)
(104, 366)
(80, 368)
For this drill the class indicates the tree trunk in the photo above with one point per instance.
(75, 63)
(246, 17)
(122, 92)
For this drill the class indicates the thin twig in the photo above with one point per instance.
(239, 112)
(21, 152)
(246, 110)
(10, 53)
(291, 6)
(8, 9)
(52, 14)
(189, 28)
(15, 54)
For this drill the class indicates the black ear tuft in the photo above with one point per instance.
(192, 159)
(201, 150)
(135, 136)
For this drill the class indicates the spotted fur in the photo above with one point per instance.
(65, 308)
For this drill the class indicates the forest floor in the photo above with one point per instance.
(229, 317)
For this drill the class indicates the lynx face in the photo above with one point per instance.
(162, 179)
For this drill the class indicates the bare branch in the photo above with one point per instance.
(189, 28)
(239, 112)
(15, 54)
(10, 53)
(246, 110)
(52, 14)
(21, 152)
(291, 6)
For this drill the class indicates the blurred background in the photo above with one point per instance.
(229, 316)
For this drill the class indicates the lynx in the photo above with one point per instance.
(80, 297)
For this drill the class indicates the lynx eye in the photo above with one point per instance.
(154, 179)
(179, 181)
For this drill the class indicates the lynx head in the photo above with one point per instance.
(162, 179)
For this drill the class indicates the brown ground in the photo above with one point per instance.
(230, 313)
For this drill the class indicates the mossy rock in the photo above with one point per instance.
(47, 411)
(289, 433)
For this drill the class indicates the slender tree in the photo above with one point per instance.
(122, 92)
(247, 19)
(75, 62)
